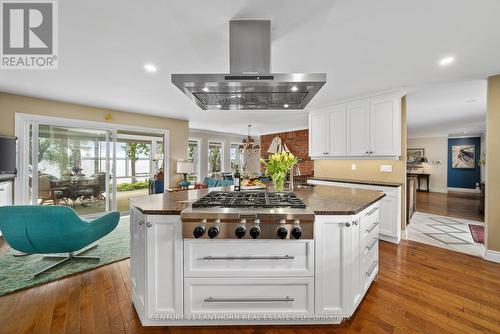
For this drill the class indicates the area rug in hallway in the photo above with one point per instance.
(477, 232)
(17, 272)
(445, 232)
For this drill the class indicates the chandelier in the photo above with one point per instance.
(248, 144)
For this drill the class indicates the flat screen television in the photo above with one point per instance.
(8, 155)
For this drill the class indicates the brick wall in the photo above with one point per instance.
(297, 142)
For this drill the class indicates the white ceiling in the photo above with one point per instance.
(363, 45)
(455, 109)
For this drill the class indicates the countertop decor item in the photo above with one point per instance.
(277, 167)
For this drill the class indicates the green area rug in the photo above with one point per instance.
(17, 272)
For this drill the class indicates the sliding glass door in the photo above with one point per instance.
(92, 169)
(70, 166)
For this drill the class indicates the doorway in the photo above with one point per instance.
(90, 166)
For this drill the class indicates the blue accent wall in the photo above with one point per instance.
(464, 177)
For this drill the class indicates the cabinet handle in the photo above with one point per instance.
(371, 269)
(347, 224)
(248, 300)
(372, 211)
(148, 224)
(355, 222)
(367, 152)
(257, 257)
(141, 222)
(2, 189)
(371, 228)
(370, 246)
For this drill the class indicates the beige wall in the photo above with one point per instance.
(11, 104)
(436, 151)
(492, 214)
(369, 170)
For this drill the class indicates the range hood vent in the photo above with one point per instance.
(250, 85)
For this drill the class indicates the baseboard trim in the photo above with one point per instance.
(492, 256)
(464, 190)
(394, 240)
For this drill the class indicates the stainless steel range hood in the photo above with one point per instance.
(250, 85)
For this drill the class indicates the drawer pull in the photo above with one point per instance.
(372, 211)
(248, 300)
(370, 246)
(372, 268)
(257, 257)
(371, 228)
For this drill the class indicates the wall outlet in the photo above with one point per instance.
(354, 167)
(386, 168)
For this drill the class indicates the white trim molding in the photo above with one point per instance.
(492, 256)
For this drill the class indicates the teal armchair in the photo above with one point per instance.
(52, 230)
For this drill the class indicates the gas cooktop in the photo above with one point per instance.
(249, 199)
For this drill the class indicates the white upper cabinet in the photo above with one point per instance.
(358, 129)
(365, 128)
(337, 131)
(385, 123)
(318, 125)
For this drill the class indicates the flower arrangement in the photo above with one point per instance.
(277, 167)
(482, 161)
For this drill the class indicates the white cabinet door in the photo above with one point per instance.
(358, 130)
(337, 122)
(164, 265)
(385, 127)
(389, 222)
(353, 261)
(138, 258)
(318, 134)
(333, 294)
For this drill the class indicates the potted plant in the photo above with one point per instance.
(277, 167)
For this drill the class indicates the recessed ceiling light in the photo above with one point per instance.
(150, 68)
(446, 61)
(285, 105)
(295, 88)
(205, 89)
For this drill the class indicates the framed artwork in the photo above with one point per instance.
(413, 155)
(463, 156)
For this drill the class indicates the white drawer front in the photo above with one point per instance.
(243, 295)
(369, 246)
(245, 258)
(369, 222)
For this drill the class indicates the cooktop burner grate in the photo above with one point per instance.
(249, 199)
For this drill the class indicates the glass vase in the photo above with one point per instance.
(278, 184)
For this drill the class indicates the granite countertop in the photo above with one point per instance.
(371, 183)
(323, 200)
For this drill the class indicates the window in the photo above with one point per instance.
(215, 155)
(235, 157)
(194, 157)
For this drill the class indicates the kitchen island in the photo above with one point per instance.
(319, 277)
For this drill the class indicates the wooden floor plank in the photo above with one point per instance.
(421, 289)
(451, 204)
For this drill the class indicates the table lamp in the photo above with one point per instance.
(184, 167)
(423, 161)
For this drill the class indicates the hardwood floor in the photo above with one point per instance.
(421, 289)
(452, 204)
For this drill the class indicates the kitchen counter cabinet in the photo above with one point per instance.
(325, 276)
